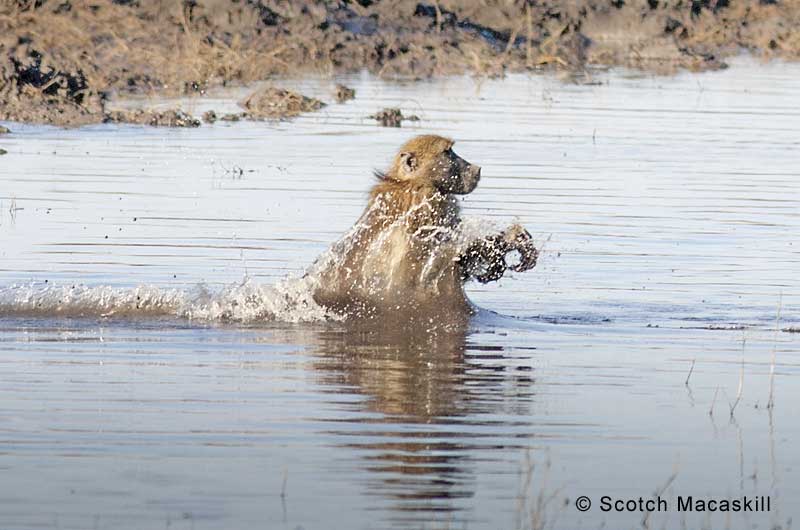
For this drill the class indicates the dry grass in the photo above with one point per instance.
(538, 504)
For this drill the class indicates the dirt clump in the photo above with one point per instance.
(278, 103)
(344, 93)
(3, 152)
(234, 116)
(165, 118)
(392, 117)
(4, 130)
(211, 116)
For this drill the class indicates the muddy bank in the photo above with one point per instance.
(265, 104)
(60, 60)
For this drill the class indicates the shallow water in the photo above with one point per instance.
(668, 210)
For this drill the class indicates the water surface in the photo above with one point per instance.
(668, 210)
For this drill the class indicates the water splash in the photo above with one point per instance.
(290, 300)
(248, 301)
(377, 263)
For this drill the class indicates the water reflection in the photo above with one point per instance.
(431, 399)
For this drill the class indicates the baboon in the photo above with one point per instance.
(407, 251)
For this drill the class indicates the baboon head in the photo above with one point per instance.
(431, 158)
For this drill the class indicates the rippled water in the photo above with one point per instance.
(668, 209)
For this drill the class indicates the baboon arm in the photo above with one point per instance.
(484, 260)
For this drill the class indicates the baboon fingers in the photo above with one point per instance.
(516, 234)
(529, 255)
(518, 239)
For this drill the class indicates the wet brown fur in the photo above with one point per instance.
(416, 208)
(426, 147)
(402, 256)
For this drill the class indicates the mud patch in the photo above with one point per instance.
(211, 116)
(344, 93)
(278, 103)
(166, 118)
(33, 89)
(392, 117)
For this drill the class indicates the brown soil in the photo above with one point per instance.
(60, 60)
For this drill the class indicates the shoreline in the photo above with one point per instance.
(60, 63)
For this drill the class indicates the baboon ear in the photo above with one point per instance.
(408, 161)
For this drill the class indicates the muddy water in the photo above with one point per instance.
(668, 209)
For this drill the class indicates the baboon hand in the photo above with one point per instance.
(519, 240)
(486, 259)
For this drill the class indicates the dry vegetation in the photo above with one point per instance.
(61, 59)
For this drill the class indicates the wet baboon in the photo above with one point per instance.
(407, 251)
